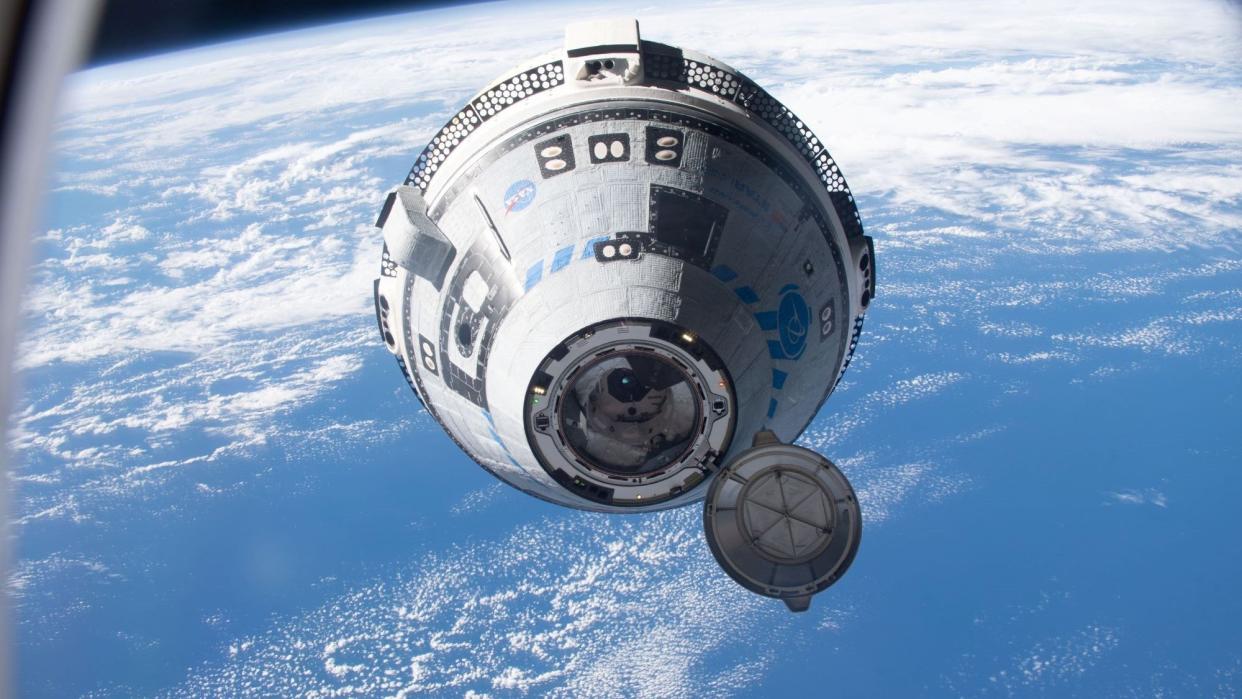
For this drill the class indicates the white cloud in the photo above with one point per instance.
(580, 605)
(1149, 496)
(268, 283)
(1158, 336)
(918, 107)
(1033, 357)
(477, 500)
(1058, 662)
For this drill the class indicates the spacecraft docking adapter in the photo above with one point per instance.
(624, 278)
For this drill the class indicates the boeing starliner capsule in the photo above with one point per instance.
(623, 278)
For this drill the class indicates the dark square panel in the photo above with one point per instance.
(555, 156)
(685, 225)
(664, 146)
(609, 148)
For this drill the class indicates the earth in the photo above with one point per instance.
(225, 488)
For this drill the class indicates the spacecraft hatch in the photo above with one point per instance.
(625, 278)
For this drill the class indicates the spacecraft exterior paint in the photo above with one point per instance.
(624, 273)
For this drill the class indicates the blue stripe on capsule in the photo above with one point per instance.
(562, 258)
(589, 250)
(772, 407)
(778, 379)
(747, 294)
(534, 274)
(724, 273)
(491, 427)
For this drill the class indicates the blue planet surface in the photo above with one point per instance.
(224, 487)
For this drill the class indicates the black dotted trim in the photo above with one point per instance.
(743, 91)
(388, 267)
(405, 371)
(849, 355)
(667, 67)
(482, 108)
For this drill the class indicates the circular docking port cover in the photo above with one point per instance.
(782, 521)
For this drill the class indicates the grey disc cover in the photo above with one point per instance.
(782, 521)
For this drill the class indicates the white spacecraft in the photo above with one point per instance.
(624, 278)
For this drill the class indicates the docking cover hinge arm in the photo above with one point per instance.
(412, 239)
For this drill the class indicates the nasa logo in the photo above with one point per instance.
(793, 318)
(519, 195)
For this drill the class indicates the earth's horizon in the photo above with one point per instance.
(223, 485)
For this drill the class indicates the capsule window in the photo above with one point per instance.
(609, 148)
(664, 146)
(555, 155)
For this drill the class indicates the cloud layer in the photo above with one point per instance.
(1056, 200)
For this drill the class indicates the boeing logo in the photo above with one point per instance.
(793, 318)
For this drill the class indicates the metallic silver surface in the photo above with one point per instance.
(630, 413)
(782, 521)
